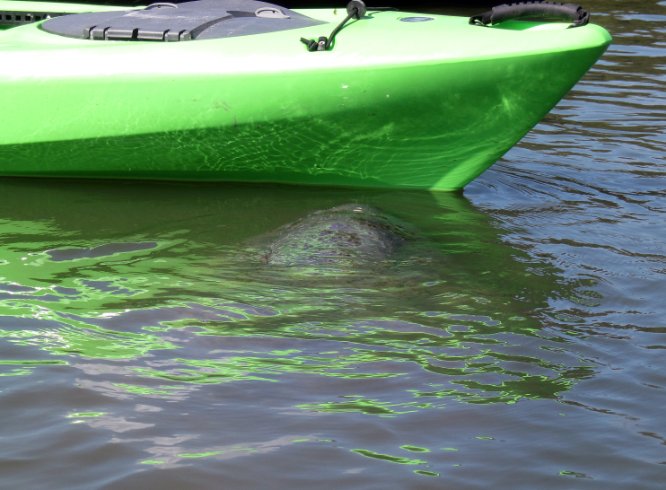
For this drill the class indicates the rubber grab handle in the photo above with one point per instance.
(533, 10)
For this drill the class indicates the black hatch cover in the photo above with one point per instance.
(201, 19)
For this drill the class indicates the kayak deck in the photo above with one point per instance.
(426, 104)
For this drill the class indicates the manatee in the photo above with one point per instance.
(349, 235)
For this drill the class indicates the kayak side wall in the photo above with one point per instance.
(356, 115)
(432, 126)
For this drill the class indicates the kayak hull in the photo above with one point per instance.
(220, 110)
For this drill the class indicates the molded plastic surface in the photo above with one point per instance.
(394, 104)
(201, 19)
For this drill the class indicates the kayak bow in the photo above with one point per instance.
(225, 90)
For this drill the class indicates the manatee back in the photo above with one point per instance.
(347, 235)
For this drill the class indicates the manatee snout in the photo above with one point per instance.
(346, 235)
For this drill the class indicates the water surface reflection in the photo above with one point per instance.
(518, 344)
(158, 327)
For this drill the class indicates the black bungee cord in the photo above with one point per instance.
(356, 9)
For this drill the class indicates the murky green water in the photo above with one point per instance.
(518, 342)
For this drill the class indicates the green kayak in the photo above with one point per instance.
(241, 90)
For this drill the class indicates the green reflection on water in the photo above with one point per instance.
(16, 372)
(88, 341)
(204, 454)
(82, 417)
(415, 449)
(426, 473)
(169, 454)
(357, 404)
(152, 461)
(575, 474)
(26, 362)
(524, 386)
(400, 459)
(144, 390)
(148, 274)
(106, 344)
(388, 457)
(26, 366)
(267, 368)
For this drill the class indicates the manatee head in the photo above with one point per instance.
(343, 236)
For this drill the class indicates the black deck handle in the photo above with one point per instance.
(533, 10)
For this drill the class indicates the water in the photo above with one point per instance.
(519, 343)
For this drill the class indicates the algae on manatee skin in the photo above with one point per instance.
(346, 235)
